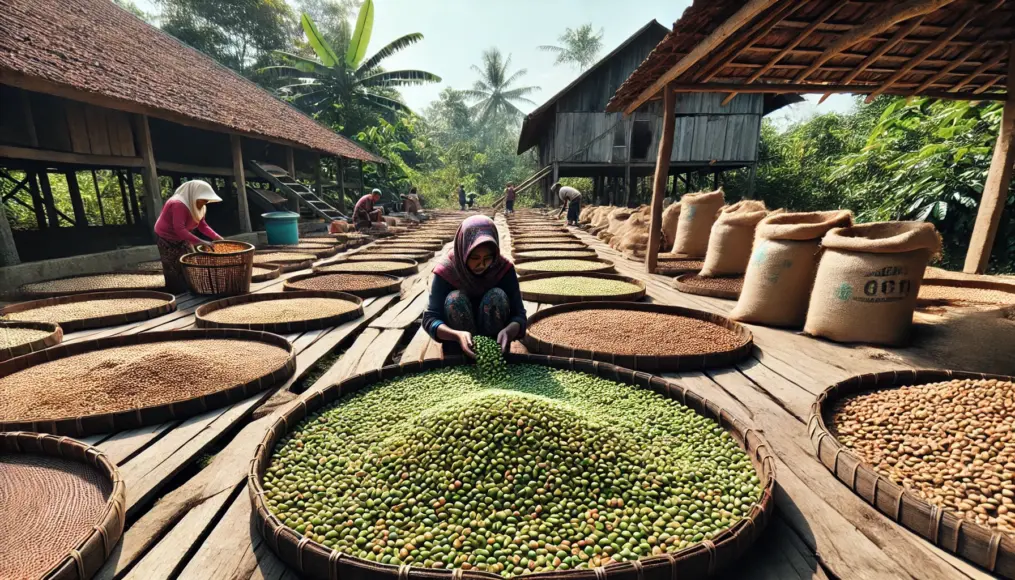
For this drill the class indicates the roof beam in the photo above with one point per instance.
(781, 88)
(929, 51)
(722, 57)
(980, 70)
(828, 13)
(747, 13)
(900, 34)
(954, 64)
(904, 11)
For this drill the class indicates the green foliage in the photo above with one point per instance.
(495, 93)
(580, 47)
(361, 34)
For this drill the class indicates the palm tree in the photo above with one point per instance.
(580, 48)
(493, 91)
(331, 83)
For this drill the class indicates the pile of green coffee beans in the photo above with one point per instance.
(509, 470)
(579, 286)
(489, 359)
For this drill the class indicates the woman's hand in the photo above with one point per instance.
(504, 337)
(465, 341)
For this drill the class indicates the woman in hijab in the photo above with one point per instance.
(475, 290)
(182, 213)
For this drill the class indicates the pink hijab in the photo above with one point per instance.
(474, 232)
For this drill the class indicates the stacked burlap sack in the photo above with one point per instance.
(698, 211)
(731, 237)
(781, 268)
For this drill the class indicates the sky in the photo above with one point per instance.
(456, 32)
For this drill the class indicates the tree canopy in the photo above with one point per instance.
(579, 47)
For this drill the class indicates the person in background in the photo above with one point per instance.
(410, 202)
(182, 213)
(461, 196)
(475, 291)
(571, 199)
(509, 198)
(364, 216)
(470, 199)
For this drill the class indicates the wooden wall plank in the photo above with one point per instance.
(715, 137)
(98, 131)
(77, 127)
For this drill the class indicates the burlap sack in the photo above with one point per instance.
(634, 224)
(868, 280)
(671, 216)
(601, 217)
(729, 244)
(697, 214)
(780, 273)
(586, 214)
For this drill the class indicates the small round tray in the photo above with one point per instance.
(530, 267)
(405, 267)
(719, 287)
(695, 562)
(53, 338)
(675, 362)
(313, 320)
(272, 271)
(72, 325)
(113, 420)
(69, 506)
(530, 256)
(965, 292)
(128, 280)
(991, 549)
(393, 284)
(565, 298)
(681, 266)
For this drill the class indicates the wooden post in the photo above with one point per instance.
(995, 191)
(556, 178)
(98, 197)
(74, 192)
(318, 182)
(290, 166)
(37, 204)
(662, 174)
(8, 251)
(341, 183)
(152, 200)
(627, 184)
(362, 180)
(47, 196)
(236, 143)
(133, 197)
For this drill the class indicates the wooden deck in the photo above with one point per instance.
(200, 525)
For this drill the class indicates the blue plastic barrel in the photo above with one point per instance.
(282, 227)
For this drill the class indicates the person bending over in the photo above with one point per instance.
(571, 199)
(475, 291)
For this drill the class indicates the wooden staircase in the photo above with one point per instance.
(529, 182)
(293, 189)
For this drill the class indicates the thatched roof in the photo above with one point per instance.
(94, 51)
(944, 48)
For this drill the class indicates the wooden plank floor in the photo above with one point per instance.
(202, 528)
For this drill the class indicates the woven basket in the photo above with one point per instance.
(52, 339)
(133, 418)
(312, 322)
(668, 363)
(564, 298)
(394, 284)
(168, 305)
(315, 561)
(527, 270)
(988, 548)
(87, 554)
(272, 273)
(222, 268)
(692, 284)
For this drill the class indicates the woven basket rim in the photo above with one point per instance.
(523, 271)
(168, 305)
(288, 327)
(37, 295)
(565, 298)
(284, 260)
(394, 283)
(94, 547)
(274, 271)
(320, 250)
(681, 362)
(990, 549)
(54, 338)
(114, 421)
(246, 247)
(411, 267)
(680, 284)
(518, 258)
(316, 561)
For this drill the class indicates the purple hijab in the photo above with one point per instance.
(474, 232)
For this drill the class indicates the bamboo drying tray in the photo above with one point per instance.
(406, 267)
(270, 272)
(523, 246)
(417, 254)
(286, 263)
(53, 338)
(410, 246)
(370, 255)
(393, 284)
(97, 496)
(429, 240)
(963, 292)
(133, 418)
(698, 561)
(988, 548)
(677, 362)
(72, 325)
(149, 266)
(313, 321)
(565, 298)
(529, 268)
(695, 284)
(322, 240)
(530, 256)
(681, 266)
(319, 250)
(132, 280)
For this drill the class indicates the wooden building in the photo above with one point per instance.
(950, 49)
(86, 86)
(575, 137)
